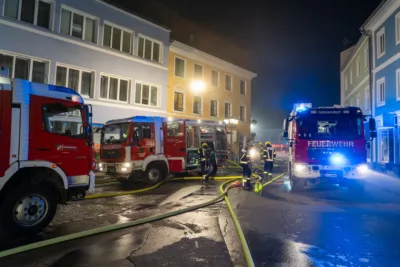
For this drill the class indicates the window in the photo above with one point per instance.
(358, 100)
(178, 101)
(397, 21)
(242, 87)
(146, 94)
(381, 91)
(367, 99)
(78, 25)
(214, 78)
(113, 88)
(351, 77)
(149, 49)
(63, 120)
(198, 72)
(242, 116)
(398, 84)
(197, 105)
(214, 108)
(175, 129)
(117, 39)
(228, 82)
(79, 80)
(180, 67)
(228, 110)
(37, 12)
(386, 145)
(358, 67)
(25, 68)
(366, 57)
(381, 49)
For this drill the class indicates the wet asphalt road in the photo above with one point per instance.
(205, 237)
(327, 226)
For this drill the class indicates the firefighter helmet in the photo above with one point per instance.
(268, 143)
(204, 145)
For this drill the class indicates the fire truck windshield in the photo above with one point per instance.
(329, 127)
(115, 133)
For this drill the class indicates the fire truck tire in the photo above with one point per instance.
(356, 186)
(155, 173)
(27, 209)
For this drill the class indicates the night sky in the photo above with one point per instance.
(296, 46)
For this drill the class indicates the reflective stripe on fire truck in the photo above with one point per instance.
(35, 163)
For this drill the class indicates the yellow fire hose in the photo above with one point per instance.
(114, 227)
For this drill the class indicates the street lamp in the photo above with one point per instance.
(232, 122)
(197, 86)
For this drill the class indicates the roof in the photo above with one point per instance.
(113, 4)
(372, 16)
(210, 60)
(353, 52)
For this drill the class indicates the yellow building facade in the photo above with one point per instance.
(203, 87)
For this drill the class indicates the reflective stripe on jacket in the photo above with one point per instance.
(269, 154)
(245, 158)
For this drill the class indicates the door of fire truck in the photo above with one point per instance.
(175, 145)
(193, 144)
(59, 135)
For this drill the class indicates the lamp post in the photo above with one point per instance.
(232, 122)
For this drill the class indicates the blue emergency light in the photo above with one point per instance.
(302, 107)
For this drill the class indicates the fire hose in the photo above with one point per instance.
(224, 188)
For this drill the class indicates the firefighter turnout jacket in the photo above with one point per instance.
(203, 154)
(245, 158)
(269, 153)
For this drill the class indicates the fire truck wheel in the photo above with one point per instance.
(155, 173)
(27, 209)
(356, 186)
(296, 184)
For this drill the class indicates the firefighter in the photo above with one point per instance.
(203, 157)
(245, 164)
(212, 166)
(261, 151)
(269, 156)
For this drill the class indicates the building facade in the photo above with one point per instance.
(117, 61)
(203, 87)
(383, 27)
(354, 78)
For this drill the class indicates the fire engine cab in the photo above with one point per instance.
(46, 152)
(327, 145)
(149, 148)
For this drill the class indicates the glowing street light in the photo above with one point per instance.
(198, 86)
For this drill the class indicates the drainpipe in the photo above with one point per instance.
(368, 35)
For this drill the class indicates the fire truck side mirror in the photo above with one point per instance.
(285, 128)
(372, 124)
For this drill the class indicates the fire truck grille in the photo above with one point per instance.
(323, 154)
(111, 154)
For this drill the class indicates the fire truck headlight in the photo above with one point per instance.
(100, 165)
(127, 165)
(123, 169)
(299, 167)
(337, 159)
(363, 168)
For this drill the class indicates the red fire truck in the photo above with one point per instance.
(327, 144)
(148, 148)
(46, 152)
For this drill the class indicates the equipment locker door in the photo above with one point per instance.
(5, 128)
